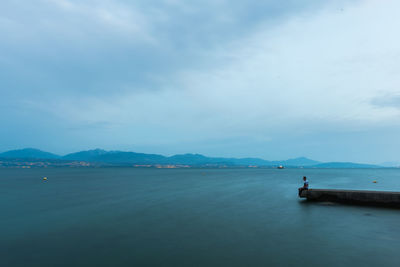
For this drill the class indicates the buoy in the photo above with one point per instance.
(44, 178)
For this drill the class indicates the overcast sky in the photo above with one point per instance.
(270, 79)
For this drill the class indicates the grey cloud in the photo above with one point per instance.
(104, 47)
(112, 70)
(392, 101)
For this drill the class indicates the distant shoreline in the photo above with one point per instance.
(35, 158)
(38, 164)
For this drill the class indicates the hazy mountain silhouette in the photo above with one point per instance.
(99, 155)
(29, 153)
(302, 161)
(345, 165)
(132, 158)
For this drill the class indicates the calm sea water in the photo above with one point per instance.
(193, 217)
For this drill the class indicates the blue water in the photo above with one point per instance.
(192, 217)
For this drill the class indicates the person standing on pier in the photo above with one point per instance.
(305, 186)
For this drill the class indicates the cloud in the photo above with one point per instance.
(387, 101)
(323, 67)
(117, 46)
(247, 77)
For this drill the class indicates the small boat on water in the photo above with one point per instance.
(280, 167)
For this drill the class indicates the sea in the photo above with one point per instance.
(192, 217)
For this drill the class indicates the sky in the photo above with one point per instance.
(269, 79)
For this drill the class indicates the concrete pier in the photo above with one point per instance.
(361, 197)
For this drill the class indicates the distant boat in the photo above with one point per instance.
(280, 167)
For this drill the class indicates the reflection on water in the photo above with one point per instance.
(231, 217)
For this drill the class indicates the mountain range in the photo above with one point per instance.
(122, 158)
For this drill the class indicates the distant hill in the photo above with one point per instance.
(302, 161)
(394, 164)
(201, 160)
(28, 153)
(197, 159)
(121, 157)
(101, 157)
(194, 159)
(85, 155)
(345, 165)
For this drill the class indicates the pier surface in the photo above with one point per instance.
(364, 197)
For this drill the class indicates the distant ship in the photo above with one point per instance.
(280, 167)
